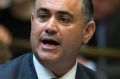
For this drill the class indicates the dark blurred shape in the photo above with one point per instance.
(106, 38)
(107, 16)
(5, 42)
(5, 53)
(16, 18)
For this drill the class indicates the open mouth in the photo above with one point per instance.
(50, 41)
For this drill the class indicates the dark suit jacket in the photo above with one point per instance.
(23, 68)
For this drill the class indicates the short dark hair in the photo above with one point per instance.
(87, 10)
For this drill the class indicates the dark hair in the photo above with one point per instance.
(88, 10)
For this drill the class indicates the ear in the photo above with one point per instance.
(88, 31)
(32, 17)
(32, 20)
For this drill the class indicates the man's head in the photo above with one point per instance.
(87, 9)
(59, 28)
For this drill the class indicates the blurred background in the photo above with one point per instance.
(102, 53)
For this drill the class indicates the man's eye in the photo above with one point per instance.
(65, 20)
(43, 17)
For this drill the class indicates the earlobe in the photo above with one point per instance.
(88, 31)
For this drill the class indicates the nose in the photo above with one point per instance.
(51, 27)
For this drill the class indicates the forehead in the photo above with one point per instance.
(70, 5)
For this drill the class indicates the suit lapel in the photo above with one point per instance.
(80, 73)
(27, 70)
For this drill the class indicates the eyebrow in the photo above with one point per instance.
(42, 9)
(65, 13)
(58, 12)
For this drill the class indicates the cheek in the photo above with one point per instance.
(36, 26)
(73, 39)
(36, 30)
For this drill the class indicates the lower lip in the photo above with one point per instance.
(49, 47)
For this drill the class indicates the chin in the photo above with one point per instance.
(48, 57)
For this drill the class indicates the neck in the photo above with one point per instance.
(59, 69)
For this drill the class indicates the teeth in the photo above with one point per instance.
(50, 41)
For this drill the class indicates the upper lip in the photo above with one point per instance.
(50, 40)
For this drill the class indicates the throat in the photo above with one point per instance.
(59, 70)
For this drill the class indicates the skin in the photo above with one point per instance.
(57, 20)
(5, 35)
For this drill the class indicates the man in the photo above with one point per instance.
(57, 34)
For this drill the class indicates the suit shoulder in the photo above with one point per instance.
(13, 66)
(88, 72)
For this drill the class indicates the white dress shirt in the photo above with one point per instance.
(44, 73)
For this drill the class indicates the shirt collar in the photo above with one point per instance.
(44, 73)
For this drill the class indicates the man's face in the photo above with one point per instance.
(57, 30)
